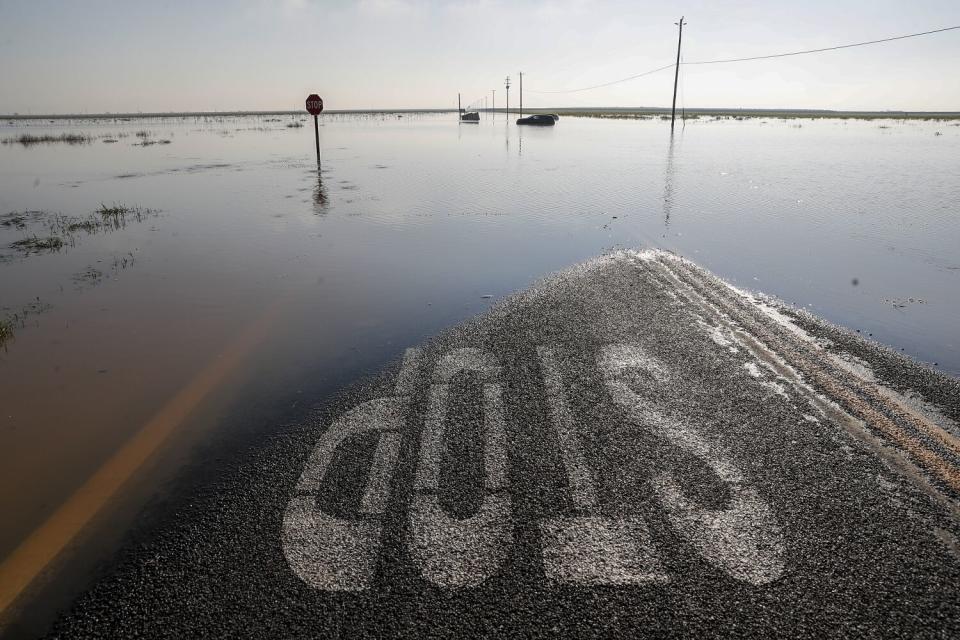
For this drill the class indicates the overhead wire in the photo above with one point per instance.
(607, 84)
(763, 57)
(834, 48)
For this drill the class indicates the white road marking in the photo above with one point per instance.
(718, 335)
(333, 553)
(593, 550)
(582, 489)
(455, 553)
(408, 372)
(588, 548)
(753, 369)
(744, 539)
(452, 552)
(381, 473)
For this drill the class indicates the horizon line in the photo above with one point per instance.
(640, 109)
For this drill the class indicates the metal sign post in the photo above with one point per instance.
(314, 107)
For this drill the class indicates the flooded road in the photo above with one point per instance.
(205, 274)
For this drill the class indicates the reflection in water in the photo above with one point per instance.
(320, 195)
(668, 185)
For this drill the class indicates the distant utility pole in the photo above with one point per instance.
(676, 75)
(493, 100)
(521, 94)
(507, 84)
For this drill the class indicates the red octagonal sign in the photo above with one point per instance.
(314, 104)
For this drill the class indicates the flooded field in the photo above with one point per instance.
(162, 278)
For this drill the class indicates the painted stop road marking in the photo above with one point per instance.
(334, 553)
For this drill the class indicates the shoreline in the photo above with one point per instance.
(589, 112)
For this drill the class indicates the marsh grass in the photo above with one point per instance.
(14, 220)
(36, 244)
(51, 232)
(88, 276)
(29, 140)
(87, 226)
(6, 332)
(120, 212)
(13, 321)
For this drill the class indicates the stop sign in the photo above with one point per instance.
(314, 104)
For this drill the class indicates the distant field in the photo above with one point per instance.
(742, 114)
(591, 112)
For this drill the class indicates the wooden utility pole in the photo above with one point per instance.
(459, 108)
(507, 84)
(521, 94)
(676, 75)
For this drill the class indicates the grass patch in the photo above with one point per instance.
(116, 215)
(14, 220)
(47, 232)
(88, 276)
(87, 225)
(115, 211)
(28, 140)
(34, 243)
(6, 332)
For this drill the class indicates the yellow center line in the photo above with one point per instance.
(45, 543)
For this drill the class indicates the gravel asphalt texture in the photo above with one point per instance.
(741, 473)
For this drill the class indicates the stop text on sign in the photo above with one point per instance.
(586, 547)
(314, 104)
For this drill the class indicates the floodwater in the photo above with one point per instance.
(229, 280)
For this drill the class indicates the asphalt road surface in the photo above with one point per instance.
(631, 448)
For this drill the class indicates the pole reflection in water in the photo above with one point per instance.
(668, 184)
(320, 195)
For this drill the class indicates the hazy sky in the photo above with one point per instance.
(106, 55)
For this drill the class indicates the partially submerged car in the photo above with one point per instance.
(539, 119)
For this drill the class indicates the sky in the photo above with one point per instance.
(114, 56)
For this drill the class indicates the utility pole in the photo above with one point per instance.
(507, 84)
(459, 108)
(676, 75)
(521, 94)
(493, 101)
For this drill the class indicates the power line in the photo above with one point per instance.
(842, 46)
(607, 84)
(775, 55)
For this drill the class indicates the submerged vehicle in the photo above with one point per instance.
(470, 116)
(539, 119)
